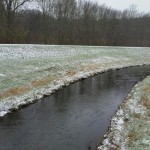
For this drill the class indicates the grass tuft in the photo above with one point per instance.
(14, 91)
(42, 82)
(132, 135)
(22, 89)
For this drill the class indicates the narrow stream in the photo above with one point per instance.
(74, 118)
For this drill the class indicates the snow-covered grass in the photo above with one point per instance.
(27, 72)
(130, 127)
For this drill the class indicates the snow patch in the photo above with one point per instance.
(3, 113)
(2, 75)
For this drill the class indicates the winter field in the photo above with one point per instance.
(28, 72)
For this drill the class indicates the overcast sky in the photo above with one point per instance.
(142, 5)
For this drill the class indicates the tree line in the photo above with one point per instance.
(72, 22)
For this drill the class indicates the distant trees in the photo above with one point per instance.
(72, 22)
(1, 20)
(47, 11)
(10, 7)
(65, 13)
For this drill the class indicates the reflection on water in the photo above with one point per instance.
(74, 118)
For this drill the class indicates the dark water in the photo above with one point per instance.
(74, 118)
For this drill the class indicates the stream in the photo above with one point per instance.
(73, 118)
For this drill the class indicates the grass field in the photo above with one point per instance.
(26, 69)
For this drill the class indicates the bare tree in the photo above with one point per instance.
(47, 8)
(2, 12)
(11, 7)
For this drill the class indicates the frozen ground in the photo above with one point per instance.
(27, 72)
(130, 127)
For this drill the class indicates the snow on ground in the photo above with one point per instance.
(27, 72)
(130, 126)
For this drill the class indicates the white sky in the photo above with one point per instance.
(142, 5)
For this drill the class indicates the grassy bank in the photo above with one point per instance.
(130, 126)
(27, 72)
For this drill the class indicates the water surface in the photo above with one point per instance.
(74, 118)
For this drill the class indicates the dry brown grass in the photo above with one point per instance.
(42, 82)
(137, 115)
(14, 91)
(70, 73)
(132, 136)
(144, 99)
(114, 147)
(146, 102)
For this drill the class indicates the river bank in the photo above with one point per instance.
(30, 72)
(129, 129)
